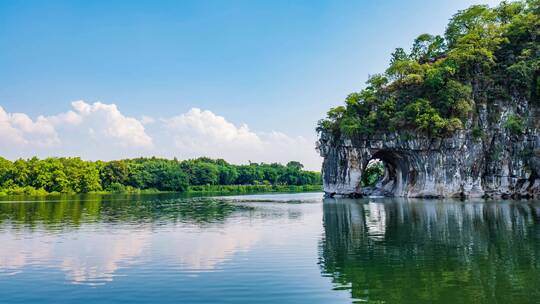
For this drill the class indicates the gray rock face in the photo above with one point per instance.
(496, 163)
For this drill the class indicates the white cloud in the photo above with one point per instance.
(204, 132)
(103, 121)
(19, 129)
(68, 117)
(107, 121)
(100, 131)
(92, 131)
(198, 133)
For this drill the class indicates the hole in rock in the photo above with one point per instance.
(382, 175)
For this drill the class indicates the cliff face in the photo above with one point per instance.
(498, 162)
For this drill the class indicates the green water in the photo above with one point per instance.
(289, 248)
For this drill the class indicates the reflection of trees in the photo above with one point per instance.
(76, 210)
(93, 236)
(433, 251)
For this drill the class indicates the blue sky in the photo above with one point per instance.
(276, 66)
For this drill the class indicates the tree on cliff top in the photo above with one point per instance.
(486, 55)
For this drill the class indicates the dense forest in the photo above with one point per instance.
(486, 55)
(73, 175)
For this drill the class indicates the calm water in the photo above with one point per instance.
(288, 248)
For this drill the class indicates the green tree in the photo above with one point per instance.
(6, 169)
(204, 174)
(487, 56)
(115, 171)
(227, 174)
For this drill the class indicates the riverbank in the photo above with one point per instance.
(253, 188)
(30, 191)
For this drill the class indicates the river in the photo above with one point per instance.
(288, 248)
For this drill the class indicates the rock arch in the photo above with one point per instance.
(419, 166)
(398, 173)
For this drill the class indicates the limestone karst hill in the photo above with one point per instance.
(457, 115)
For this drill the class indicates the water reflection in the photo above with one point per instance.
(91, 238)
(413, 251)
(71, 212)
(271, 248)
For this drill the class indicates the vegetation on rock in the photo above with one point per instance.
(486, 55)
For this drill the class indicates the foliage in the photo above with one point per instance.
(477, 133)
(72, 175)
(485, 54)
(515, 124)
(373, 173)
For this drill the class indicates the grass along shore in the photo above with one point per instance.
(254, 188)
(31, 191)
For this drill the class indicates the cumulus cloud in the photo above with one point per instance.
(90, 130)
(199, 132)
(101, 131)
(204, 132)
(19, 129)
(103, 121)
(127, 131)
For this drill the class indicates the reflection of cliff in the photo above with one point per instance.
(432, 251)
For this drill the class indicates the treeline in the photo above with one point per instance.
(73, 175)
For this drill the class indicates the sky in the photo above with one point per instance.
(239, 80)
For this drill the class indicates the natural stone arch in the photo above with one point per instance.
(402, 172)
(457, 166)
(392, 180)
(347, 166)
(344, 167)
